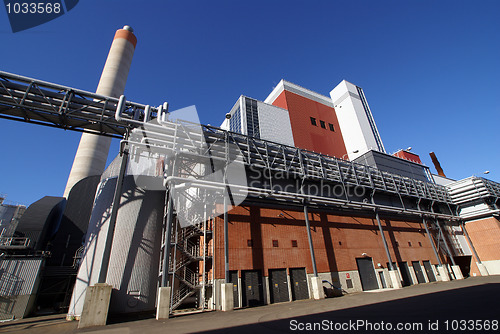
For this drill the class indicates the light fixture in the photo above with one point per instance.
(355, 151)
(228, 116)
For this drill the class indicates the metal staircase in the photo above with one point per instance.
(191, 264)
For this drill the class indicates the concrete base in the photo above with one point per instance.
(396, 282)
(96, 305)
(443, 273)
(163, 307)
(317, 288)
(482, 269)
(226, 297)
(457, 272)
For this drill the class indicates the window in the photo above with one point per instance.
(235, 121)
(331, 127)
(420, 244)
(323, 125)
(313, 121)
(340, 243)
(294, 243)
(249, 243)
(409, 243)
(252, 118)
(275, 243)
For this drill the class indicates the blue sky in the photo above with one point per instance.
(429, 69)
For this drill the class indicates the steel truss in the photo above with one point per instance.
(34, 101)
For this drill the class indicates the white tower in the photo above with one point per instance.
(92, 153)
(355, 119)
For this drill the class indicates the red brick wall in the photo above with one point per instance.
(356, 236)
(485, 236)
(307, 136)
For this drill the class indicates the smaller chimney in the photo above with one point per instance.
(437, 165)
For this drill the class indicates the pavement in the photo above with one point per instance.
(471, 305)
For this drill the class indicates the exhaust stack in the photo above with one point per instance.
(92, 153)
(437, 165)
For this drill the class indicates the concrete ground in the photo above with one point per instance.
(425, 308)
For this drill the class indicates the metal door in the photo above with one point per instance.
(251, 280)
(233, 278)
(382, 279)
(279, 285)
(428, 270)
(367, 273)
(405, 273)
(299, 283)
(418, 271)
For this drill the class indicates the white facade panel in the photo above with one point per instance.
(442, 180)
(493, 267)
(359, 134)
(225, 124)
(275, 124)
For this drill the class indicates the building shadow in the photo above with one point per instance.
(419, 312)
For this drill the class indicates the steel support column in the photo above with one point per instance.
(446, 243)
(112, 219)
(384, 240)
(431, 241)
(309, 237)
(168, 239)
(226, 238)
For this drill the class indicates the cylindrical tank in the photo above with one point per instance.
(92, 153)
(135, 254)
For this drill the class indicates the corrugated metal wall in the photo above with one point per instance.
(18, 281)
(134, 261)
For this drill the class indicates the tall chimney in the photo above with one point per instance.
(92, 153)
(437, 165)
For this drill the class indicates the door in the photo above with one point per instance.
(429, 271)
(405, 273)
(299, 283)
(382, 279)
(279, 285)
(251, 280)
(233, 278)
(418, 271)
(367, 273)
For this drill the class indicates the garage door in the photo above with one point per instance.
(418, 271)
(278, 285)
(251, 281)
(299, 283)
(367, 273)
(429, 271)
(405, 273)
